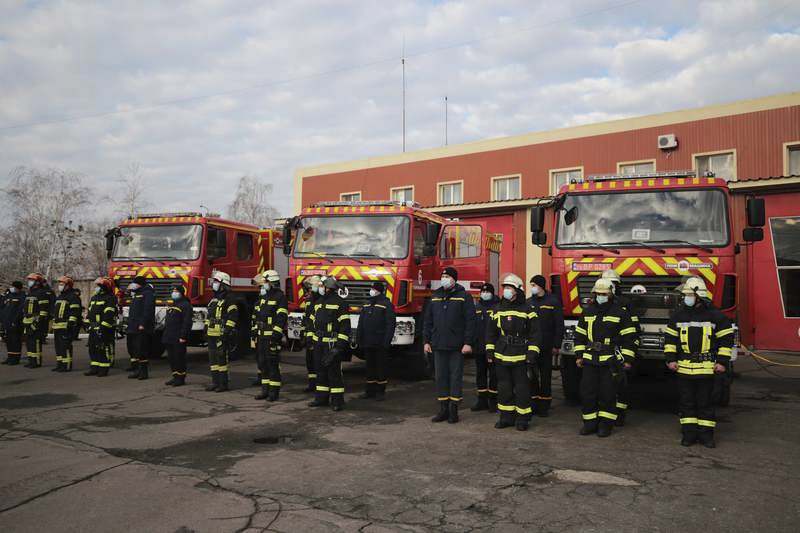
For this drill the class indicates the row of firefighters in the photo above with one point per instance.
(514, 340)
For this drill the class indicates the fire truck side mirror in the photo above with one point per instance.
(287, 238)
(753, 234)
(431, 236)
(756, 216)
(539, 238)
(111, 235)
(537, 219)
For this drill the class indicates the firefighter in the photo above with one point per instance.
(623, 391)
(222, 327)
(36, 318)
(449, 334)
(13, 310)
(512, 343)
(66, 322)
(551, 327)
(485, 374)
(270, 319)
(141, 323)
(698, 344)
(310, 297)
(331, 338)
(374, 335)
(101, 318)
(603, 340)
(177, 327)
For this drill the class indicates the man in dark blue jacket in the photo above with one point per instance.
(374, 335)
(177, 327)
(449, 333)
(141, 322)
(13, 303)
(485, 373)
(551, 325)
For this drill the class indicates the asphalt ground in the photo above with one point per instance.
(111, 454)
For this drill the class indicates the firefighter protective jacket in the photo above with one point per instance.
(449, 319)
(483, 315)
(223, 315)
(308, 315)
(376, 323)
(331, 321)
(270, 315)
(178, 322)
(633, 311)
(551, 319)
(102, 315)
(13, 307)
(67, 312)
(142, 311)
(37, 309)
(697, 337)
(513, 336)
(601, 331)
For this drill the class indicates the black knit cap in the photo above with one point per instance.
(17, 284)
(180, 288)
(487, 287)
(378, 286)
(452, 272)
(141, 280)
(539, 280)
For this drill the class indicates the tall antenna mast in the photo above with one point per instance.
(445, 120)
(403, 63)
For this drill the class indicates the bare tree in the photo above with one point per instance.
(252, 202)
(133, 197)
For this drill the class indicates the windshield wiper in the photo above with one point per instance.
(376, 257)
(594, 244)
(687, 243)
(315, 254)
(638, 243)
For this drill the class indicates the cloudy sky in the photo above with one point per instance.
(200, 93)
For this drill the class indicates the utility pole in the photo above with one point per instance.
(403, 63)
(445, 120)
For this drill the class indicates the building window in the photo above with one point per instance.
(722, 164)
(636, 167)
(451, 193)
(350, 196)
(402, 194)
(506, 188)
(244, 246)
(787, 259)
(792, 158)
(562, 176)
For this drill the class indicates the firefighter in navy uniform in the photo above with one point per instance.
(331, 338)
(270, 318)
(698, 343)
(101, 317)
(485, 374)
(177, 328)
(13, 308)
(374, 335)
(66, 323)
(604, 339)
(36, 317)
(551, 328)
(628, 303)
(222, 327)
(513, 343)
(449, 333)
(141, 323)
(310, 297)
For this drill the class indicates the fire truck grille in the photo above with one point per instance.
(162, 286)
(357, 292)
(659, 299)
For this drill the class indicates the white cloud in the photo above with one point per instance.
(507, 67)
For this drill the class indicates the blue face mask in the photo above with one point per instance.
(689, 300)
(176, 295)
(486, 296)
(508, 293)
(602, 299)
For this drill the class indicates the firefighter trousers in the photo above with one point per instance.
(541, 377)
(330, 382)
(139, 347)
(311, 370)
(449, 369)
(598, 395)
(377, 361)
(695, 405)
(101, 352)
(33, 346)
(623, 392)
(14, 345)
(485, 377)
(217, 356)
(176, 353)
(269, 363)
(63, 344)
(513, 392)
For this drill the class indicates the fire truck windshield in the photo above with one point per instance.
(690, 217)
(181, 242)
(385, 237)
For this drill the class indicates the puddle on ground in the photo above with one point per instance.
(37, 400)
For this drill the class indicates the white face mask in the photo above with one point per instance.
(12, 290)
(689, 300)
(537, 290)
(486, 296)
(176, 295)
(602, 299)
(60, 287)
(30, 283)
(447, 282)
(133, 286)
(321, 290)
(263, 291)
(374, 292)
(215, 286)
(97, 290)
(508, 293)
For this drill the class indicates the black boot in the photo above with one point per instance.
(589, 427)
(6, 361)
(337, 402)
(57, 368)
(380, 393)
(274, 393)
(543, 408)
(223, 382)
(604, 429)
(481, 403)
(444, 412)
(256, 382)
(369, 392)
(312, 385)
(136, 371)
(689, 438)
(143, 371)
(101, 372)
(212, 387)
(620, 421)
(503, 423)
(132, 367)
(92, 371)
(523, 424)
(706, 438)
(492, 404)
(30, 363)
(13, 360)
(179, 381)
(452, 416)
(264, 394)
(319, 401)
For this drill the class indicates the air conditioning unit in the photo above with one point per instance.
(665, 142)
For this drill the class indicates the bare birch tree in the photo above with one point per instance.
(133, 196)
(252, 202)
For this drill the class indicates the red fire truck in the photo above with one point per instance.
(186, 248)
(396, 243)
(654, 230)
